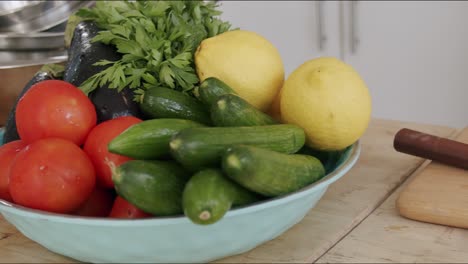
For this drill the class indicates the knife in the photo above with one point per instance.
(432, 147)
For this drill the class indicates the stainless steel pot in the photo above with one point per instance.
(9, 7)
(33, 41)
(40, 16)
(17, 59)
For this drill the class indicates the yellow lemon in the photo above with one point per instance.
(329, 100)
(245, 61)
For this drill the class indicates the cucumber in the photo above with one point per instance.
(162, 102)
(208, 195)
(149, 139)
(232, 110)
(153, 186)
(268, 172)
(329, 159)
(210, 89)
(202, 147)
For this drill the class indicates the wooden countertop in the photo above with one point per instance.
(355, 221)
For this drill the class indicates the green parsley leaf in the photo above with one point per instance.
(157, 40)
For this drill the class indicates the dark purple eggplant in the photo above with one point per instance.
(82, 54)
(110, 104)
(47, 72)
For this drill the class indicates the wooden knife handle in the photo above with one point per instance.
(432, 147)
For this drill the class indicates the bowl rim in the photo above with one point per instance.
(352, 157)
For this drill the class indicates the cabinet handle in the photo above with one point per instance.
(354, 24)
(321, 37)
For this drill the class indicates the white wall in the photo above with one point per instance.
(413, 55)
(290, 25)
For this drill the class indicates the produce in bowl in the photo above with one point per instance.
(148, 146)
(174, 239)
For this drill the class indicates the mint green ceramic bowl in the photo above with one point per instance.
(171, 239)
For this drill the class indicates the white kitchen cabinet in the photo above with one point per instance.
(292, 26)
(413, 55)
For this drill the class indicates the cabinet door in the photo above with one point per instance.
(414, 57)
(293, 27)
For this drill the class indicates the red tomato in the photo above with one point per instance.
(96, 147)
(99, 203)
(8, 153)
(123, 209)
(55, 108)
(52, 174)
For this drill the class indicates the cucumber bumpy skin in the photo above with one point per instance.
(209, 195)
(268, 172)
(232, 110)
(202, 147)
(160, 102)
(153, 186)
(210, 89)
(149, 139)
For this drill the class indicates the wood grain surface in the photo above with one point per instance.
(439, 194)
(387, 237)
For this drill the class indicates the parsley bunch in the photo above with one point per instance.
(157, 39)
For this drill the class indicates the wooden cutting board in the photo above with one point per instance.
(438, 194)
